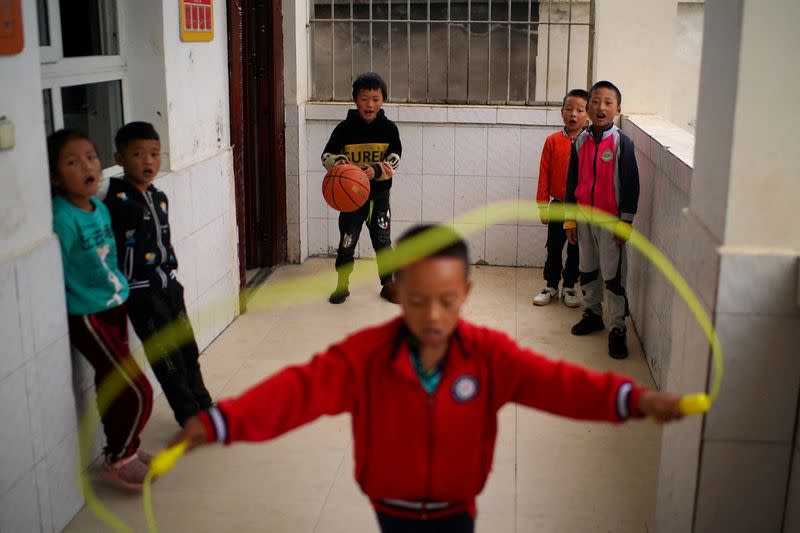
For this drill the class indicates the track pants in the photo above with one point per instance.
(102, 338)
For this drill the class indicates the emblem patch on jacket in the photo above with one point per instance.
(607, 156)
(464, 388)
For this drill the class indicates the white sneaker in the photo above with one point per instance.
(547, 295)
(570, 298)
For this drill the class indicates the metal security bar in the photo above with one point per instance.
(519, 52)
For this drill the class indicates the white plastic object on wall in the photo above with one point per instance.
(7, 140)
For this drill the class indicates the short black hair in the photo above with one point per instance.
(456, 246)
(134, 131)
(604, 84)
(578, 93)
(56, 142)
(369, 80)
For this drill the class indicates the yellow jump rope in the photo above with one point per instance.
(310, 288)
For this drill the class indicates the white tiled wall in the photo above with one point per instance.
(44, 388)
(37, 403)
(455, 160)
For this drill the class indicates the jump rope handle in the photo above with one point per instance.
(166, 459)
(695, 404)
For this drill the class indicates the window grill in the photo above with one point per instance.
(457, 52)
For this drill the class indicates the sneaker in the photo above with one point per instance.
(339, 296)
(144, 457)
(617, 348)
(547, 295)
(128, 473)
(589, 323)
(387, 293)
(570, 297)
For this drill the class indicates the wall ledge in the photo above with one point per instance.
(447, 114)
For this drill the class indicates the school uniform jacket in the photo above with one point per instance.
(141, 228)
(553, 167)
(410, 445)
(365, 145)
(604, 174)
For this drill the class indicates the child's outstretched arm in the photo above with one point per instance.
(565, 389)
(292, 397)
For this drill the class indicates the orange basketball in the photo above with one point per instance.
(345, 187)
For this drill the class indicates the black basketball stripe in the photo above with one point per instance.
(357, 182)
(330, 193)
(347, 193)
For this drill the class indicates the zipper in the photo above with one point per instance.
(160, 245)
(429, 481)
(594, 164)
(129, 262)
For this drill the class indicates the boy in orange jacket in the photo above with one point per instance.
(550, 195)
(423, 391)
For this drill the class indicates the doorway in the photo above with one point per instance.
(255, 48)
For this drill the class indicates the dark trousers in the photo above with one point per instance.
(556, 237)
(173, 355)
(460, 523)
(102, 338)
(378, 217)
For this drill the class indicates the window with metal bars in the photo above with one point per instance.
(455, 52)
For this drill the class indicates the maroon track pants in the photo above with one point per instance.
(102, 338)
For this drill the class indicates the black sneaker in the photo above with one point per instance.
(589, 323)
(339, 296)
(387, 293)
(617, 348)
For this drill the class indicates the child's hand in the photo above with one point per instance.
(386, 171)
(370, 172)
(662, 406)
(193, 431)
(572, 235)
(624, 230)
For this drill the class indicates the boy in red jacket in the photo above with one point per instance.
(423, 391)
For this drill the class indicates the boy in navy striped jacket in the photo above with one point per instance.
(139, 217)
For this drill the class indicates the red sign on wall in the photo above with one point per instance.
(11, 38)
(197, 20)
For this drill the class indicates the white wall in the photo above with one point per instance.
(685, 82)
(296, 80)
(37, 406)
(43, 388)
(24, 186)
(634, 49)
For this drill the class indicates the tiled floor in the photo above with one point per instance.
(550, 475)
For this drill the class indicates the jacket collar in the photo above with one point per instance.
(606, 133)
(400, 356)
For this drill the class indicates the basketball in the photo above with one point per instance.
(345, 187)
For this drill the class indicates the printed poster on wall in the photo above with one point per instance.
(197, 20)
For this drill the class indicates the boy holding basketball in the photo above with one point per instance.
(603, 175)
(366, 138)
(423, 391)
